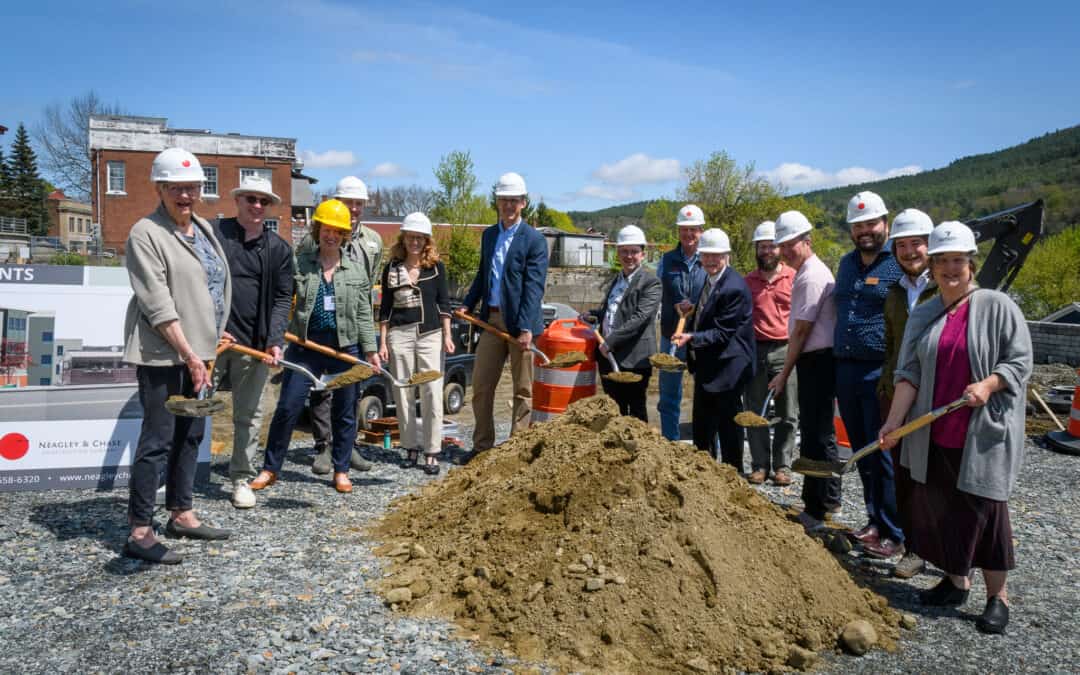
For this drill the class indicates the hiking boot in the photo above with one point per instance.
(323, 462)
(359, 463)
(909, 566)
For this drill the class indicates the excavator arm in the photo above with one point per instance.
(1014, 233)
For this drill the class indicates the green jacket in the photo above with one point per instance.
(352, 298)
(896, 316)
(364, 246)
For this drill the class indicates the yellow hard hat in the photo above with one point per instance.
(333, 213)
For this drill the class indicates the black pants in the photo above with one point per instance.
(630, 396)
(319, 410)
(714, 415)
(165, 440)
(817, 389)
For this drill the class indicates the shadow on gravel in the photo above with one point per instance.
(100, 518)
(284, 503)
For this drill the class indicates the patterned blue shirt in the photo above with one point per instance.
(323, 320)
(860, 305)
(215, 270)
(502, 247)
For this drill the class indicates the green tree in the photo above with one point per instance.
(1050, 277)
(463, 251)
(26, 190)
(548, 217)
(64, 137)
(658, 221)
(454, 202)
(67, 258)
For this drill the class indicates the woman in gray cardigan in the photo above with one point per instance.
(182, 290)
(976, 345)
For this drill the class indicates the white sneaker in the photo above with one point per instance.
(242, 495)
(810, 523)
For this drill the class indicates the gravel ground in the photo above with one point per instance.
(290, 590)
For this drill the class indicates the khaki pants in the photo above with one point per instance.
(491, 353)
(411, 353)
(247, 378)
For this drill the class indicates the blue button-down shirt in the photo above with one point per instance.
(860, 305)
(502, 247)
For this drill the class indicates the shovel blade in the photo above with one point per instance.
(818, 468)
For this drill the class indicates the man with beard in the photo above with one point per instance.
(863, 279)
(770, 289)
(910, 236)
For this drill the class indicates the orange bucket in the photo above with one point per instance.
(556, 388)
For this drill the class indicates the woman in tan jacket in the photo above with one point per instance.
(182, 290)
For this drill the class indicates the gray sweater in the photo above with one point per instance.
(169, 284)
(998, 342)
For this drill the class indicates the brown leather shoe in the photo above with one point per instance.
(782, 477)
(342, 483)
(264, 480)
(866, 535)
(884, 548)
(757, 477)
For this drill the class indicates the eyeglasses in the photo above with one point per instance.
(181, 189)
(252, 199)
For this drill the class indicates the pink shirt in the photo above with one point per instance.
(811, 300)
(951, 376)
(772, 302)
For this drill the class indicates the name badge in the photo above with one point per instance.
(872, 281)
(328, 303)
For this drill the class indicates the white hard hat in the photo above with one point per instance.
(714, 240)
(416, 222)
(952, 236)
(510, 185)
(631, 235)
(911, 223)
(176, 165)
(256, 185)
(691, 215)
(791, 224)
(765, 231)
(350, 187)
(865, 206)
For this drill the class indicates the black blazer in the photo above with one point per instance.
(632, 339)
(722, 349)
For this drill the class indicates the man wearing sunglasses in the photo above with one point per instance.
(261, 265)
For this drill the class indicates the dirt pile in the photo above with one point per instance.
(593, 543)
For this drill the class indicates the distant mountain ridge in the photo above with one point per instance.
(1046, 167)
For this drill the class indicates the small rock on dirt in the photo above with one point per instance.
(399, 596)
(801, 658)
(908, 621)
(858, 637)
(594, 584)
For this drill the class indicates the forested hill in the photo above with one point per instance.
(1046, 167)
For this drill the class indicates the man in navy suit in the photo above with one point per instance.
(721, 354)
(509, 287)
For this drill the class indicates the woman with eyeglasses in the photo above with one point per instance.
(174, 321)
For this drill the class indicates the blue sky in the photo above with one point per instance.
(594, 103)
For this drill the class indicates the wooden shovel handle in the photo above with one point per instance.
(322, 349)
(487, 326)
(247, 351)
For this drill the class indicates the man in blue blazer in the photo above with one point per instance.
(721, 354)
(509, 287)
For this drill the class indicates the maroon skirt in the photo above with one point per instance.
(953, 530)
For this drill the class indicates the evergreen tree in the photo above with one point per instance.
(5, 184)
(27, 191)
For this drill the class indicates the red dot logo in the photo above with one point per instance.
(186, 163)
(13, 446)
(861, 206)
(689, 213)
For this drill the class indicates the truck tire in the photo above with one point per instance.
(453, 398)
(369, 408)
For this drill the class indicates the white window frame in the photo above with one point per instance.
(206, 191)
(270, 224)
(268, 174)
(112, 181)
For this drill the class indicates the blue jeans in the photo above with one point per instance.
(856, 394)
(294, 392)
(670, 403)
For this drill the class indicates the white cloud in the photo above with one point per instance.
(390, 170)
(638, 169)
(611, 193)
(331, 159)
(797, 177)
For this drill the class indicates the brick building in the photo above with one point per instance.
(71, 222)
(123, 148)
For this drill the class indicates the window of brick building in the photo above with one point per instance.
(116, 178)
(268, 174)
(210, 187)
(270, 224)
(71, 223)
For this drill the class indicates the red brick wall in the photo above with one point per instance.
(117, 213)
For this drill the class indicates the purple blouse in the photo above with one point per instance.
(952, 376)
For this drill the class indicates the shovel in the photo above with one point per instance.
(615, 375)
(414, 381)
(827, 469)
(668, 361)
(562, 360)
(204, 404)
(750, 419)
(351, 375)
